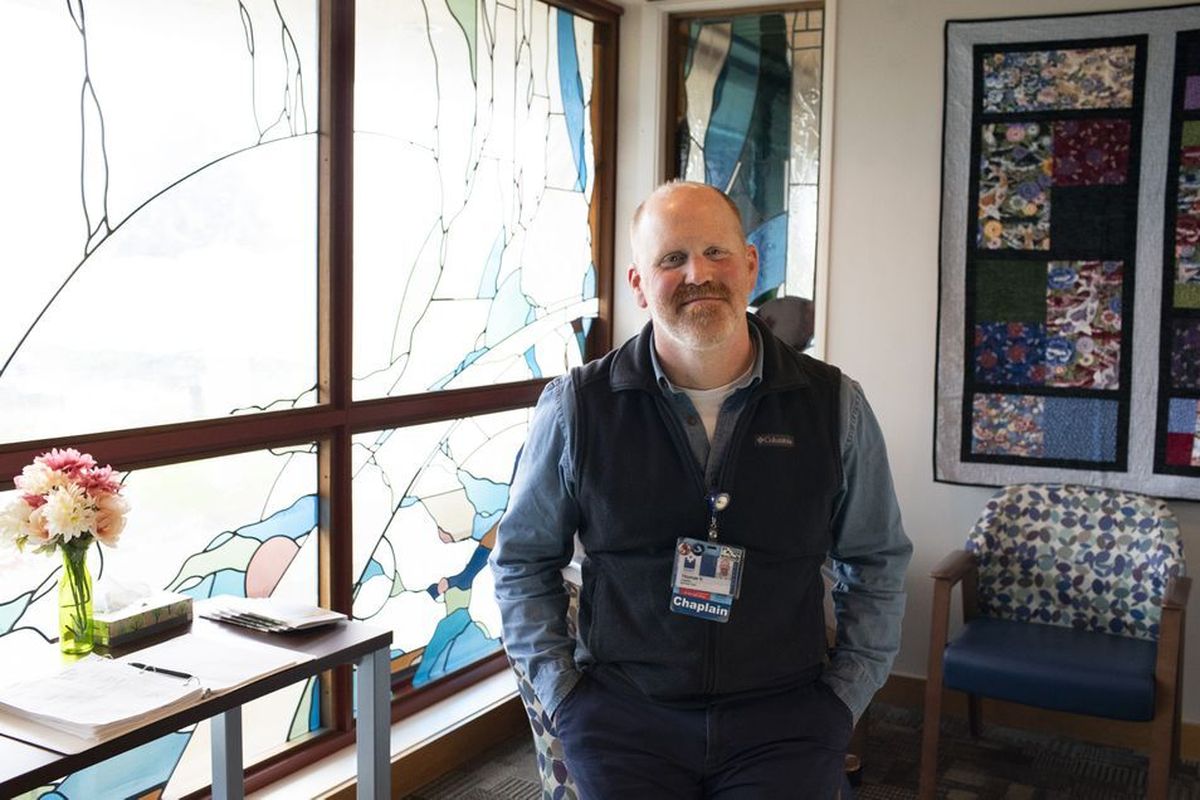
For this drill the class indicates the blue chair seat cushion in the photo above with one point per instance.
(1054, 667)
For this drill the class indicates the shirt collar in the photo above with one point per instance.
(751, 378)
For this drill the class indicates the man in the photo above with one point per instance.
(708, 470)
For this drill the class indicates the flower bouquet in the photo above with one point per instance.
(67, 501)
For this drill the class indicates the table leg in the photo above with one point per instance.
(374, 725)
(227, 755)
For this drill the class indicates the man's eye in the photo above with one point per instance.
(673, 259)
(716, 252)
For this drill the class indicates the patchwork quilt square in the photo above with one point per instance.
(1187, 295)
(1083, 324)
(1010, 353)
(1185, 354)
(1183, 450)
(1080, 429)
(1084, 297)
(1093, 221)
(1187, 262)
(1008, 424)
(1090, 152)
(1042, 80)
(1014, 182)
(1190, 135)
(1187, 248)
(1010, 291)
(1187, 201)
(1183, 416)
(1191, 93)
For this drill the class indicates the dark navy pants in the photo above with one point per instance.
(782, 746)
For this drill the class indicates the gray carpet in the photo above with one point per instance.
(1005, 764)
(508, 772)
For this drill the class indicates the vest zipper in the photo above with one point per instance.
(671, 420)
(735, 441)
(713, 632)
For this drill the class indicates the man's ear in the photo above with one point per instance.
(752, 260)
(635, 283)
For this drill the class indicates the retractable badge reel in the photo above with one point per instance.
(707, 577)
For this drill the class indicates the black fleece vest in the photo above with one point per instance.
(640, 489)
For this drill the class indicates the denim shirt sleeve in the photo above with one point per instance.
(534, 543)
(870, 554)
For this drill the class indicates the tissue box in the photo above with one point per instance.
(144, 617)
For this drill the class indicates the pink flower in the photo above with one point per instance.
(98, 480)
(110, 518)
(34, 500)
(68, 460)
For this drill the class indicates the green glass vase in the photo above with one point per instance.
(76, 631)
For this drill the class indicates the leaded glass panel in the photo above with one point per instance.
(749, 111)
(427, 500)
(474, 178)
(158, 212)
(242, 525)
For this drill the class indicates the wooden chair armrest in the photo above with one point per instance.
(954, 567)
(1176, 595)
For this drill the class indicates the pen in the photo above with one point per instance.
(163, 670)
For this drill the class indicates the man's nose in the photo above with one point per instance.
(699, 269)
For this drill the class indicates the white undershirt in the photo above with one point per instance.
(708, 402)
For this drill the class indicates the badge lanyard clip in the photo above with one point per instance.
(717, 502)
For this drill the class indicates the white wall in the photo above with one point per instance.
(882, 298)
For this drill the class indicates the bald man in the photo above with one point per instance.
(709, 470)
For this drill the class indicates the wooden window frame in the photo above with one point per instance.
(337, 416)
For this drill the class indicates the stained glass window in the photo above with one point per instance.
(427, 500)
(173, 229)
(747, 92)
(167, 180)
(472, 240)
(241, 525)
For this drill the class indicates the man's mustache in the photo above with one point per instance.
(687, 292)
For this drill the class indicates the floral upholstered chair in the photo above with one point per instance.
(1073, 600)
(556, 782)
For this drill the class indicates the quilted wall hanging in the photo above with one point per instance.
(1069, 307)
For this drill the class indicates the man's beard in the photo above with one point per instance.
(701, 326)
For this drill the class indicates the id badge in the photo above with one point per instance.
(707, 578)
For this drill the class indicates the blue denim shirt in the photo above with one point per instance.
(536, 540)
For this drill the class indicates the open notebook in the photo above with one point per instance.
(96, 699)
(96, 696)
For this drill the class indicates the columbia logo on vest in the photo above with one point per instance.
(774, 440)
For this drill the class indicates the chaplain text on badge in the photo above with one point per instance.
(707, 578)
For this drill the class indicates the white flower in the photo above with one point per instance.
(37, 478)
(15, 525)
(68, 513)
